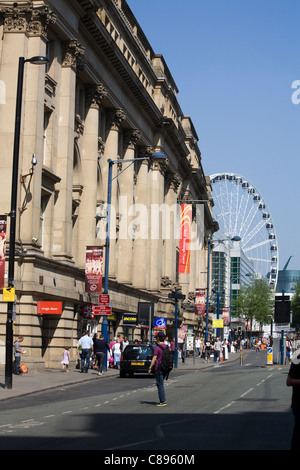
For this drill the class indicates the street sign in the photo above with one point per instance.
(173, 295)
(270, 355)
(102, 310)
(160, 323)
(282, 311)
(104, 299)
(88, 311)
(9, 294)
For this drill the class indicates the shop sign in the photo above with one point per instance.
(49, 308)
(129, 319)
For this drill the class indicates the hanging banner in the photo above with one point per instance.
(94, 269)
(225, 316)
(200, 302)
(3, 223)
(185, 238)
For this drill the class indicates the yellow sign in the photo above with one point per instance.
(9, 294)
(218, 323)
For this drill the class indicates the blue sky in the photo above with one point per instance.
(234, 62)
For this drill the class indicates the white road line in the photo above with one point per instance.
(248, 391)
(224, 407)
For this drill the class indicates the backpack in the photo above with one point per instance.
(166, 364)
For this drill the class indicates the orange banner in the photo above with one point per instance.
(185, 238)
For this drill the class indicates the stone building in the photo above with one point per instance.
(105, 94)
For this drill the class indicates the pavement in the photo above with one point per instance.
(34, 382)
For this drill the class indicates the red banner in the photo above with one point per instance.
(185, 238)
(94, 269)
(3, 223)
(225, 315)
(200, 302)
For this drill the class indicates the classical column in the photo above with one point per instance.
(62, 230)
(156, 199)
(171, 227)
(90, 144)
(126, 228)
(114, 120)
(140, 268)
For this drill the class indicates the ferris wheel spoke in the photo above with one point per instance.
(265, 242)
(254, 232)
(261, 260)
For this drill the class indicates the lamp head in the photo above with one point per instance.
(33, 160)
(158, 157)
(38, 60)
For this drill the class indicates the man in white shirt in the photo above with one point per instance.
(217, 348)
(86, 345)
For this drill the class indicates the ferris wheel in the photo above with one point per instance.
(241, 211)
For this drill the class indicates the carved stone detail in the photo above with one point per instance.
(73, 54)
(26, 19)
(94, 95)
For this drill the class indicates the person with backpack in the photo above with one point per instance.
(159, 362)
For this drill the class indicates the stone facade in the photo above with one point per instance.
(104, 94)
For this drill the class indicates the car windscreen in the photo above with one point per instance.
(138, 352)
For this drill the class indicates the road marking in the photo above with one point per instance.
(224, 407)
(248, 391)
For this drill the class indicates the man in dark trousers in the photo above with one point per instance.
(293, 380)
(100, 347)
(159, 376)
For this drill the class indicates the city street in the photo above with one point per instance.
(227, 406)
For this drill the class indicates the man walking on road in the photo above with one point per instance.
(86, 344)
(217, 348)
(156, 360)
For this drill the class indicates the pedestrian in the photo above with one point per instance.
(217, 348)
(124, 343)
(18, 351)
(100, 348)
(288, 349)
(116, 351)
(86, 345)
(207, 349)
(293, 380)
(198, 347)
(156, 360)
(66, 359)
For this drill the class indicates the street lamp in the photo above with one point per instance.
(234, 239)
(156, 157)
(37, 60)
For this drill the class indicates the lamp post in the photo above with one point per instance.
(234, 239)
(157, 157)
(37, 60)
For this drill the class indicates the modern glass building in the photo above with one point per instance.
(287, 280)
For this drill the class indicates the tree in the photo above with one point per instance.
(295, 306)
(256, 302)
